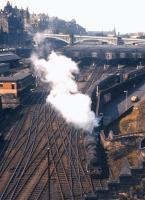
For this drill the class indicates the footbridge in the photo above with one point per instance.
(74, 39)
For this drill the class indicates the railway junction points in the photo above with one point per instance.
(43, 157)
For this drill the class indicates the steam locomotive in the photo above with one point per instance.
(92, 142)
(93, 161)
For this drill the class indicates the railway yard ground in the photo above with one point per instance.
(43, 155)
(34, 128)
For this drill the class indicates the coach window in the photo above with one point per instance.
(1, 85)
(13, 86)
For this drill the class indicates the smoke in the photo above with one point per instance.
(38, 38)
(59, 71)
(42, 46)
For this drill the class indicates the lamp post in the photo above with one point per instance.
(126, 95)
(48, 154)
(97, 91)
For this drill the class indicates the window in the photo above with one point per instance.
(1, 85)
(13, 86)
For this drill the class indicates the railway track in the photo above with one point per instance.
(68, 168)
(28, 146)
(24, 166)
(16, 135)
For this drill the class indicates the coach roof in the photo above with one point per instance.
(5, 57)
(16, 77)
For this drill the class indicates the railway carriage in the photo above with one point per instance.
(133, 74)
(12, 88)
(110, 55)
(134, 55)
(139, 55)
(122, 55)
(94, 54)
(107, 81)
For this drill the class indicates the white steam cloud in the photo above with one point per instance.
(38, 38)
(74, 106)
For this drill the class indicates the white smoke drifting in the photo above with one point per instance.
(42, 48)
(38, 38)
(74, 106)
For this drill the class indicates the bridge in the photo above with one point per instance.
(74, 39)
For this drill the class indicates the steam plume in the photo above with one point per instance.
(74, 106)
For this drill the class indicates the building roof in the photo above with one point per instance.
(16, 77)
(8, 57)
(104, 48)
